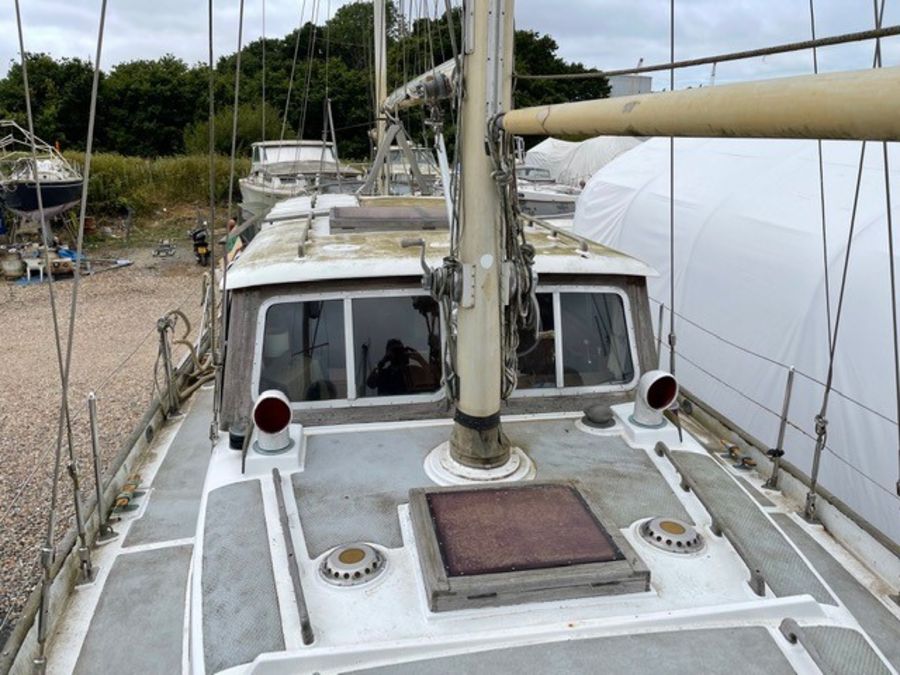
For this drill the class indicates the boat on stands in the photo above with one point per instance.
(35, 181)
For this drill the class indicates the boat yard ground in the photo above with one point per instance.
(114, 353)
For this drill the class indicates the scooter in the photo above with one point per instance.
(200, 237)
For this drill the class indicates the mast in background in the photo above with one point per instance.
(380, 58)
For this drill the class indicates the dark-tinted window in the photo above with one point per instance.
(398, 346)
(303, 351)
(537, 358)
(595, 345)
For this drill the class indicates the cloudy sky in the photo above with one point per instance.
(599, 33)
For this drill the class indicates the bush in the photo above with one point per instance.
(146, 185)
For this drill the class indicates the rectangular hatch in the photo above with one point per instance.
(515, 543)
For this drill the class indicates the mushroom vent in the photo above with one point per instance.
(672, 535)
(352, 565)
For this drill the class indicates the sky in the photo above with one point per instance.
(599, 33)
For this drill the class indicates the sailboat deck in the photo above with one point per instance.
(351, 483)
(351, 491)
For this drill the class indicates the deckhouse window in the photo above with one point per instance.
(352, 348)
(583, 341)
(303, 352)
(398, 346)
(595, 343)
(537, 358)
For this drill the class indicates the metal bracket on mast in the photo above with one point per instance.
(495, 58)
(469, 27)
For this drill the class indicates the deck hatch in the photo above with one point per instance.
(497, 545)
(525, 527)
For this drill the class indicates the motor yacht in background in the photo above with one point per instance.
(283, 169)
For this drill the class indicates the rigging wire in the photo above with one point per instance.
(38, 461)
(775, 362)
(263, 70)
(48, 553)
(893, 276)
(672, 339)
(310, 52)
(815, 55)
(287, 101)
(52, 291)
(326, 105)
(844, 38)
(821, 420)
(231, 172)
(214, 426)
(776, 414)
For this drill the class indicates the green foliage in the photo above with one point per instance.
(158, 108)
(536, 55)
(147, 185)
(147, 105)
(249, 130)
(60, 98)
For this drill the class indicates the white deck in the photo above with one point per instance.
(388, 620)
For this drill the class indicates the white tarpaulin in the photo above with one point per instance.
(574, 163)
(750, 289)
(549, 154)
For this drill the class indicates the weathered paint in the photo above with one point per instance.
(859, 105)
(272, 257)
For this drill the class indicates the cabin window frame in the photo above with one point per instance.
(559, 389)
(351, 400)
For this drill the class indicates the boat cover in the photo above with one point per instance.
(750, 286)
(574, 163)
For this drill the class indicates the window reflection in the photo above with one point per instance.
(595, 343)
(537, 358)
(303, 351)
(398, 346)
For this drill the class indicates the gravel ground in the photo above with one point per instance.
(114, 353)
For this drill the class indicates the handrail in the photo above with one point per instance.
(583, 242)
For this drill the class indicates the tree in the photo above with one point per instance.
(60, 98)
(160, 106)
(147, 105)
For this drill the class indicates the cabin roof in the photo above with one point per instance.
(290, 142)
(274, 256)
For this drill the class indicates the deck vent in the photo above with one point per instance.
(352, 565)
(272, 418)
(672, 535)
(598, 416)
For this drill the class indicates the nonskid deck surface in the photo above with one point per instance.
(752, 533)
(352, 485)
(138, 624)
(354, 482)
(882, 626)
(240, 606)
(178, 486)
(739, 651)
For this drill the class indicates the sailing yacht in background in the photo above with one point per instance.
(20, 174)
(439, 450)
